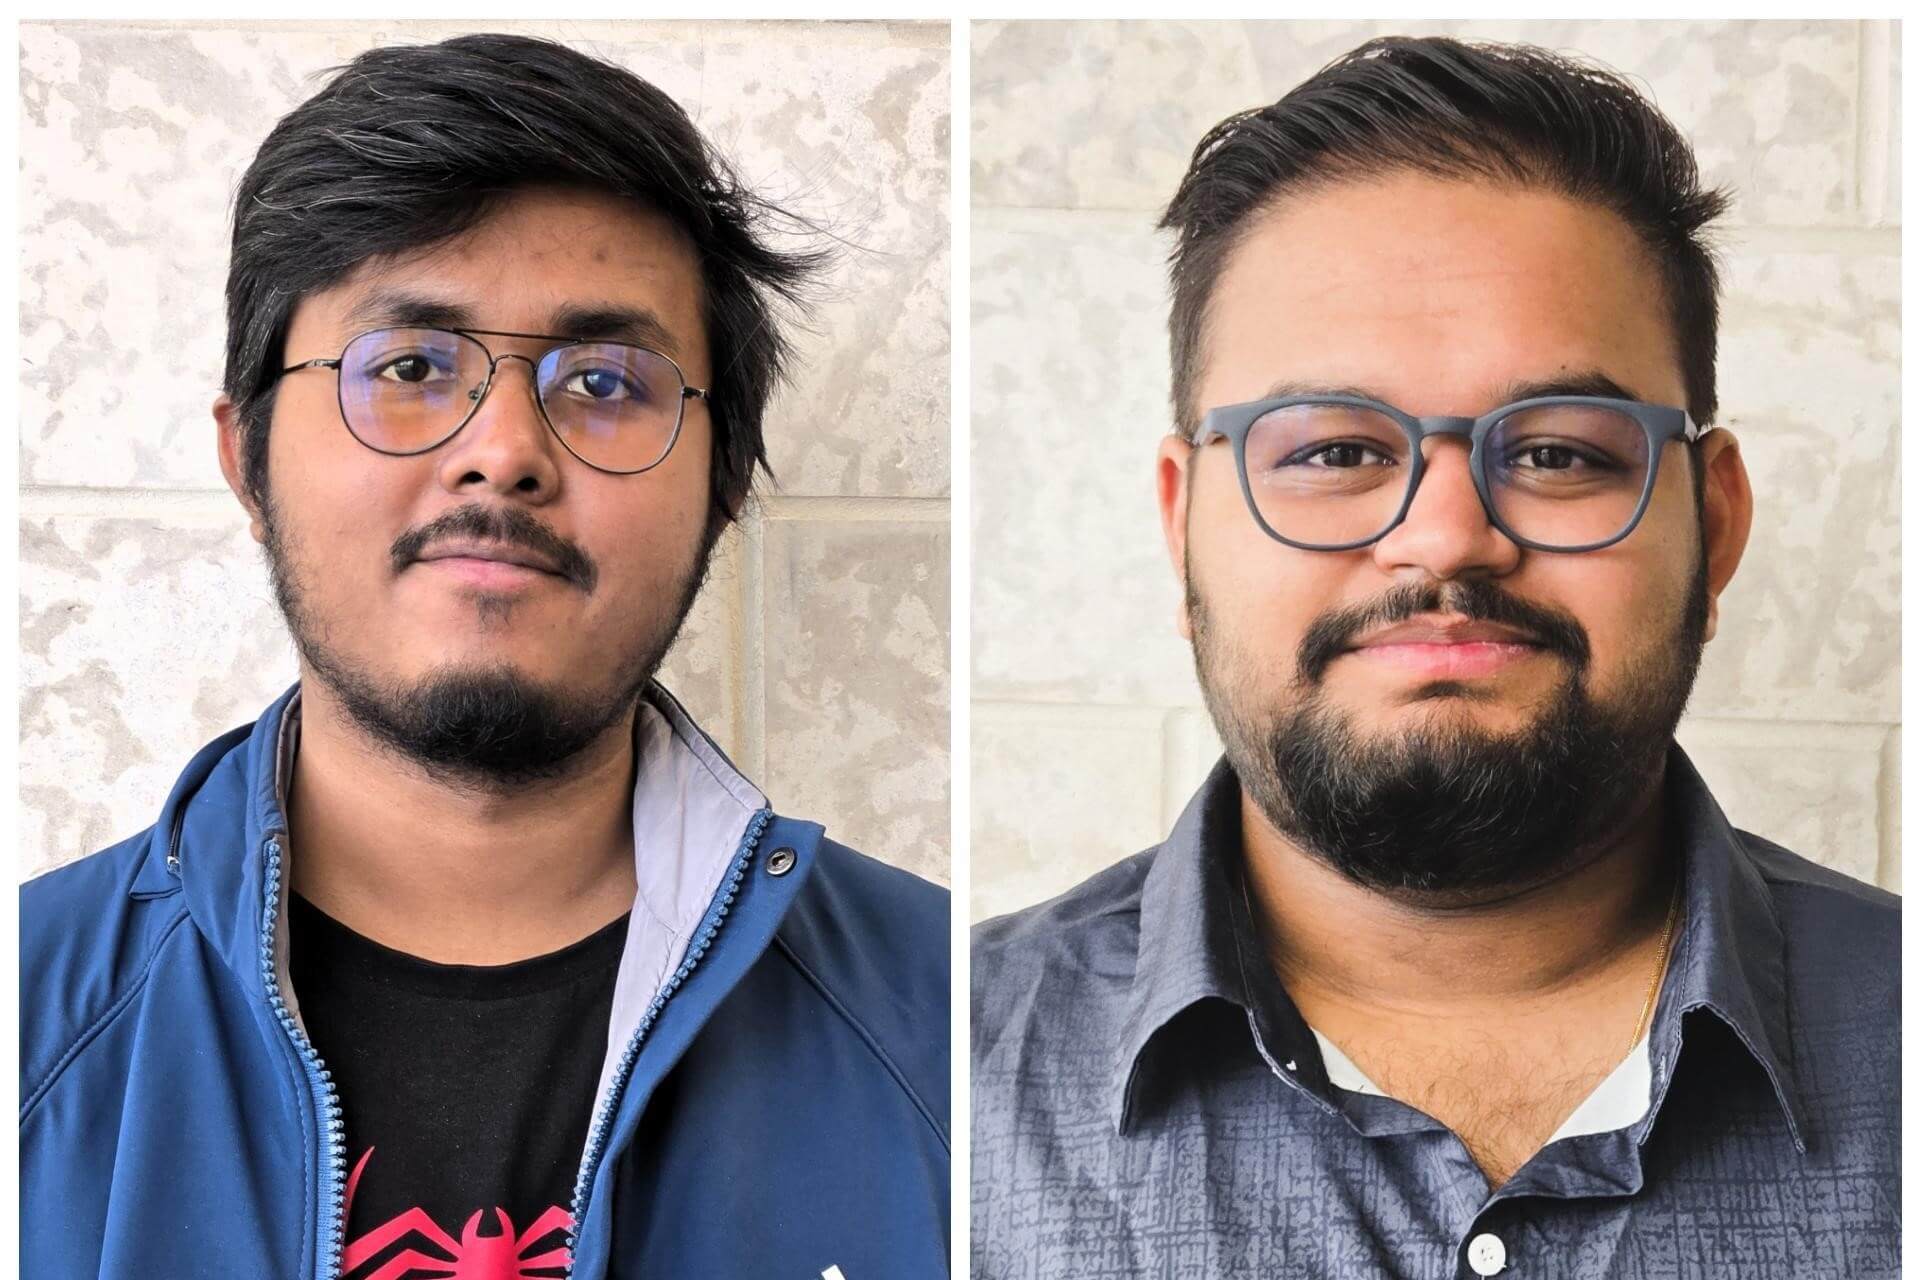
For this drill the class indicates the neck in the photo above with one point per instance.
(455, 874)
(1332, 940)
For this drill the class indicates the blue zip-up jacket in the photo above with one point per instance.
(774, 1101)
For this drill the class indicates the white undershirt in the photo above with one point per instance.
(1616, 1102)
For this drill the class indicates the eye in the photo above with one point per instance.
(1339, 455)
(1551, 457)
(411, 368)
(1554, 455)
(602, 384)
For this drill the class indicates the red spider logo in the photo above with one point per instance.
(472, 1257)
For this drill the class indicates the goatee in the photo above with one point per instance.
(1445, 808)
(488, 728)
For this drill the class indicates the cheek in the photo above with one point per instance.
(1628, 606)
(337, 505)
(1259, 596)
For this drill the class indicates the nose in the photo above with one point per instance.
(505, 447)
(1446, 532)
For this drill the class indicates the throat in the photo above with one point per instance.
(449, 877)
(1504, 1097)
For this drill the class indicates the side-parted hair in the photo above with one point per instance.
(409, 146)
(1479, 112)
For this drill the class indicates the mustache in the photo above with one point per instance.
(510, 526)
(1477, 599)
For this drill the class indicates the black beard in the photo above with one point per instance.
(1445, 809)
(491, 728)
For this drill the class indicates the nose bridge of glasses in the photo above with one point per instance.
(1446, 425)
(1432, 474)
(480, 394)
(1441, 427)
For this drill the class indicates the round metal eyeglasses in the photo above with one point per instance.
(615, 406)
(1555, 473)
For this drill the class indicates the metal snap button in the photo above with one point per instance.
(780, 862)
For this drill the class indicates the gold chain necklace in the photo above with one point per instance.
(1659, 967)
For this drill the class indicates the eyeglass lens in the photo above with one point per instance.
(615, 406)
(1562, 475)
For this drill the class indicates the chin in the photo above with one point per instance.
(1453, 702)
(529, 653)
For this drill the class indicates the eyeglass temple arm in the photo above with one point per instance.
(695, 393)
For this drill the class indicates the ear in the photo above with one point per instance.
(233, 462)
(1171, 485)
(1728, 514)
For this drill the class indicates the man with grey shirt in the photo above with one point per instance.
(1453, 965)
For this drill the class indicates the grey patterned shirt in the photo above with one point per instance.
(1148, 1102)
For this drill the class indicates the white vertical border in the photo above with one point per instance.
(10, 584)
(959, 627)
(1909, 646)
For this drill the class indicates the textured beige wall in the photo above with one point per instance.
(818, 653)
(1088, 732)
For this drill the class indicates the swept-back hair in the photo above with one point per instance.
(1490, 112)
(408, 146)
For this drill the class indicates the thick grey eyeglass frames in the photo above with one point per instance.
(1555, 473)
(615, 406)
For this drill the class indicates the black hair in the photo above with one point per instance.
(1492, 112)
(408, 146)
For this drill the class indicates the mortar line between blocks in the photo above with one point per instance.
(41, 501)
(753, 646)
(1871, 135)
(853, 507)
(735, 550)
(1886, 825)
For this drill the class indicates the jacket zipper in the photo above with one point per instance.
(319, 1081)
(597, 1136)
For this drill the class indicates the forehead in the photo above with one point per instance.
(1435, 292)
(546, 260)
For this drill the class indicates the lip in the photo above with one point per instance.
(491, 564)
(1444, 649)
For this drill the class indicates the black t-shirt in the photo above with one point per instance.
(466, 1092)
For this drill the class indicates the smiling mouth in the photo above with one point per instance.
(1447, 660)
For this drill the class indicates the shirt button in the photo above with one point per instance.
(1487, 1255)
(781, 862)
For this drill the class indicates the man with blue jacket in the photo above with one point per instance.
(474, 956)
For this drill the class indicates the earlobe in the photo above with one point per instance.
(231, 446)
(1729, 506)
(1171, 484)
(1729, 515)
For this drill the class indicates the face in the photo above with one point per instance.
(398, 575)
(1445, 709)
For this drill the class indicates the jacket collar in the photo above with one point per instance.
(692, 808)
(1197, 942)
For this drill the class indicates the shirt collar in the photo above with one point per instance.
(1196, 943)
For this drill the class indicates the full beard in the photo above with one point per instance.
(1445, 809)
(488, 728)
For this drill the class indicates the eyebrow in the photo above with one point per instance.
(604, 322)
(1580, 382)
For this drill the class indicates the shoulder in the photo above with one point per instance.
(873, 940)
(88, 935)
(1842, 935)
(1071, 946)
(1820, 906)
